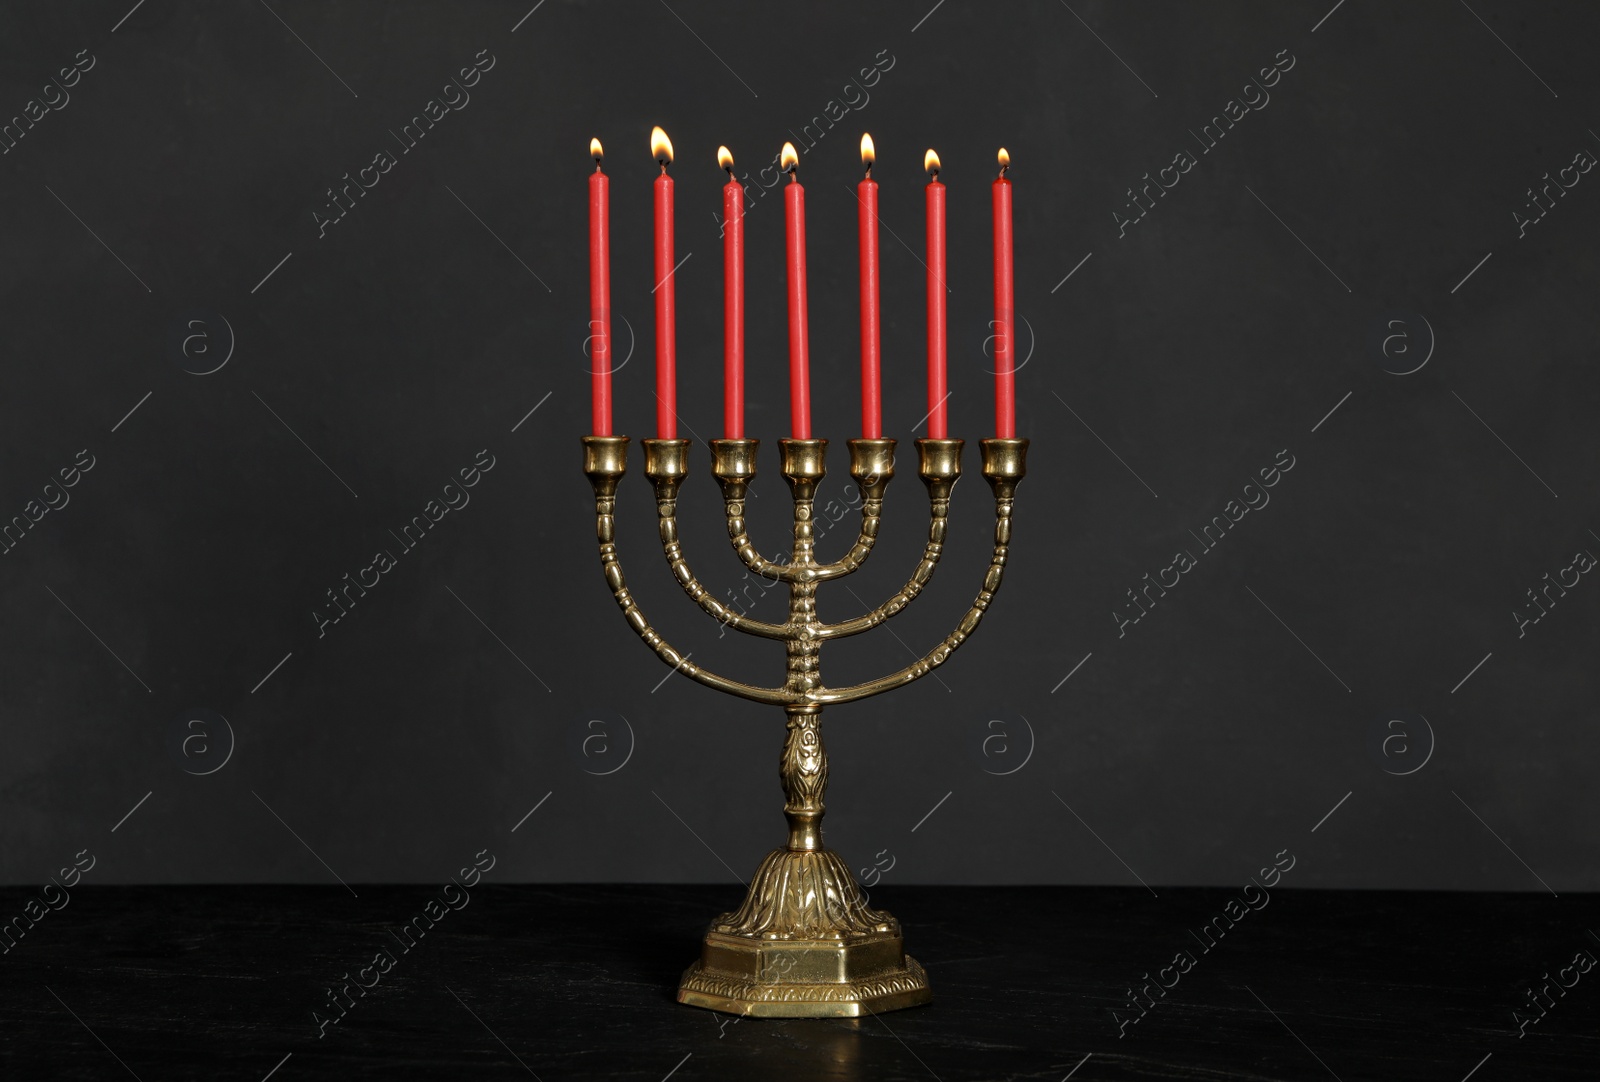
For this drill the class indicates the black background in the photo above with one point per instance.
(1171, 365)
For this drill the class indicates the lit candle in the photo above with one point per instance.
(871, 332)
(1005, 308)
(938, 317)
(600, 293)
(794, 205)
(666, 307)
(732, 301)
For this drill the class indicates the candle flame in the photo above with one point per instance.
(789, 159)
(596, 151)
(1004, 159)
(930, 162)
(725, 158)
(869, 153)
(660, 146)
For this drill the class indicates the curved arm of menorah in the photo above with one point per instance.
(666, 464)
(941, 466)
(872, 466)
(907, 593)
(605, 461)
(1004, 463)
(734, 464)
(733, 493)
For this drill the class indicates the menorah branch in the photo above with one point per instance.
(940, 468)
(734, 464)
(666, 463)
(605, 461)
(872, 466)
(1004, 464)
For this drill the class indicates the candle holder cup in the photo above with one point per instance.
(805, 943)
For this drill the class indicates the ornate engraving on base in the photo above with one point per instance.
(796, 999)
(804, 895)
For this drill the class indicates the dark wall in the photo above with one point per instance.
(1339, 290)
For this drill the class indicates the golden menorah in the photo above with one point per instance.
(805, 943)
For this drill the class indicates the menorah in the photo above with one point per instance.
(805, 943)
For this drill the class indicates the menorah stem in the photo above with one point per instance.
(804, 465)
(803, 770)
(804, 767)
(804, 892)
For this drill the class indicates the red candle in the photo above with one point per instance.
(732, 301)
(794, 205)
(938, 319)
(1005, 308)
(666, 307)
(600, 293)
(871, 332)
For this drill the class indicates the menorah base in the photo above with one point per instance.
(805, 944)
(804, 978)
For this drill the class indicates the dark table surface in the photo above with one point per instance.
(221, 982)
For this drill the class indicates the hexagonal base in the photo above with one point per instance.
(804, 978)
